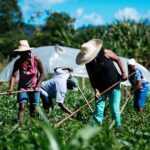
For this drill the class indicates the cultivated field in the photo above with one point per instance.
(76, 133)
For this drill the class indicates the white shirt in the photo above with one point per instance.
(56, 87)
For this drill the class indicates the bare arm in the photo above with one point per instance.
(64, 108)
(137, 87)
(114, 57)
(41, 70)
(13, 76)
(134, 89)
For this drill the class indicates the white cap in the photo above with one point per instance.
(132, 62)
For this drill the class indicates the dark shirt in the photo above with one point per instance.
(102, 72)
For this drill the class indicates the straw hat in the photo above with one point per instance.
(89, 51)
(24, 46)
(132, 62)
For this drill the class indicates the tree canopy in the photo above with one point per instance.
(11, 26)
(126, 38)
(10, 16)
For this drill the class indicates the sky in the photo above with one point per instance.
(94, 12)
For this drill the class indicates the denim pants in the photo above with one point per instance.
(32, 97)
(114, 100)
(140, 97)
(47, 102)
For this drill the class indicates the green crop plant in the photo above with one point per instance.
(75, 133)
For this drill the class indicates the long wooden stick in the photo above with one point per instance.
(63, 120)
(122, 109)
(84, 98)
(72, 75)
(6, 93)
(128, 93)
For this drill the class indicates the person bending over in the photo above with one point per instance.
(57, 88)
(140, 85)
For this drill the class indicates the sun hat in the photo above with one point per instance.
(24, 46)
(72, 83)
(132, 62)
(89, 51)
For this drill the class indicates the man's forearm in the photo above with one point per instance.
(64, 108)
(121, 66)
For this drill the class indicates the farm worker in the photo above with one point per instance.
(102, 74)
(31, 74)
(57, 88)
(140, 85)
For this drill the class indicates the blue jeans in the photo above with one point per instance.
(47, 102)
(140, 97)
(114, 100)
(32, 97)
(24, 97)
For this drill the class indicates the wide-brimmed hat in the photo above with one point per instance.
(89, 51)
(24, 46)
(132, 62)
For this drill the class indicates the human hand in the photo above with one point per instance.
(74, 117)
(37, 88)
(124, 77)
(78, 117)
(97, 94)
(9, 92)
(70, 69)
(129, 96)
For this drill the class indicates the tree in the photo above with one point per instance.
(84, 34)
(11, 26)
(10, 16)
(130, 39)
(58, 29)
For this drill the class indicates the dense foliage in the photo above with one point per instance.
(10, 16)
(127, 38)
(76, 133)
(11, 27)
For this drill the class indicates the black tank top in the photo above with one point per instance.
(104, 71)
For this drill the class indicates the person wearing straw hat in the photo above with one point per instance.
(56, 88)
(140, 86)
(31, 74)
(102, 74)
